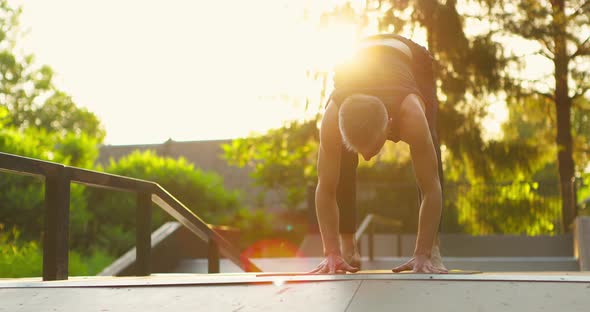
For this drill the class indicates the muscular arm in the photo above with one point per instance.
(426, 170)
(328, 167)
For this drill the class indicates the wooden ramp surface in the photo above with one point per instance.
(549, 291)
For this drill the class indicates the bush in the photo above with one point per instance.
(25, 258)
(112, 225)
(252, 224)
(100, 218)
(525, 208)
(282, 159)
(584, 195)
(22, 197)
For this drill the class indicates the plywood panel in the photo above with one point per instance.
(459, 296)
(322, 296)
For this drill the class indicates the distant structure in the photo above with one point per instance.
(206, 155)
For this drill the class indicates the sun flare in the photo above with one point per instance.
(201, 72)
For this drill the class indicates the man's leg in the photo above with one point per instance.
(346, 199)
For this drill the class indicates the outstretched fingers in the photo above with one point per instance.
(342, 266)
(349, 268)
(333, 265)
(429, 269)
(321, 268)
(440, 271)
(404, 267)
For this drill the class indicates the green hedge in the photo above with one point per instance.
(20, 258)
(112, 225)
(22, 197)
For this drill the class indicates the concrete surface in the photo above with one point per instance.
(351, 292)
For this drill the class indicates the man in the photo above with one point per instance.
(385, 92)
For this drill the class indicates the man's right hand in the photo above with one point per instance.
(333, 264)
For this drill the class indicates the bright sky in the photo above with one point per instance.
(188, 70)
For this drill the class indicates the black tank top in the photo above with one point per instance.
(381, 71)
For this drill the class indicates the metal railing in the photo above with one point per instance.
(369, 224)
(57, 201)
(490, 208)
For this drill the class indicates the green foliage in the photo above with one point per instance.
(19, 259)
(557, 29)
(112, 225)
(25, 258)
(39, 121)
(202, 192)
(526, 208)
(79, 150)
(484, 205)
(584, 195)
(389, 189)
(60, 114)
(252, 224)
(470, 67)
(88, 265)
(28, 93)
(581, 133)
(283, 158)
(22, 198)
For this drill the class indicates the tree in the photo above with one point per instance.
(470, 70)
(559, 28)
(28, 92)
(282, 158)
(37, 120)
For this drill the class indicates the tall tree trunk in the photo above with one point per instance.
(563, 109)
(427, 9)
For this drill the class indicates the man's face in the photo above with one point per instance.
(373, 149)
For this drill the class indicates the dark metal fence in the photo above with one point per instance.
(527, 208)
(531, 208)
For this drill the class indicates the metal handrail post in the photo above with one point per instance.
(57, 220)
(212, 257)
(143, 234)
(371, 242)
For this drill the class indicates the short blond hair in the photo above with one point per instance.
(361, 118)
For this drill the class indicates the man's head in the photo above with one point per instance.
(363, 123)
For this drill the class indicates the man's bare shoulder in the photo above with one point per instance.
(414, 128)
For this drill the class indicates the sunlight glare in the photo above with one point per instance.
(496, 116)
(338, 42)
(203, 71)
